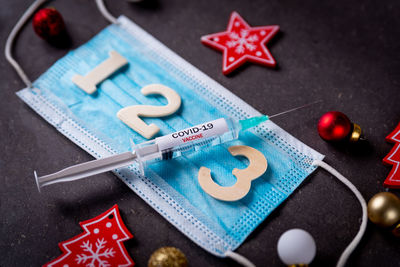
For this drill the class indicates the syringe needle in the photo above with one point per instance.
(87, 169)
(296, 108)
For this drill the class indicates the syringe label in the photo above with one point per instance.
(195, 133)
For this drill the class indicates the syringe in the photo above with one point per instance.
(166, 147)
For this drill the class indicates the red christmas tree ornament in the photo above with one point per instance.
(100, 244)
(393, 159)
(336, 126)
(48, 24)
(241, 43)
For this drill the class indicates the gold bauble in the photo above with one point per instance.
(167, 257)
(384, 209)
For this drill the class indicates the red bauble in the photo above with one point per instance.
(334, 126)
(48, 24)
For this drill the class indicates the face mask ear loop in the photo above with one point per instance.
(14, 32)
(346, 253)
(239, 259)
(105, 13)
(11, 37)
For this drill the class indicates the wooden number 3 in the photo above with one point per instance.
(257, 166)
(130, 115)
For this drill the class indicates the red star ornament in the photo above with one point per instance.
(393, 158)
(241, 43)
(99, 245)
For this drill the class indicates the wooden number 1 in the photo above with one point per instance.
(88, 82)
(257, 166)
(130, 115)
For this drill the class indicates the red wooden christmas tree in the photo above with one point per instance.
(99, 245)
(393, 158)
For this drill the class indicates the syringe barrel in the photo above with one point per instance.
(198, 136)
(191, 139)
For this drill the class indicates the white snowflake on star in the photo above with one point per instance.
(97, 256)
(242, 42)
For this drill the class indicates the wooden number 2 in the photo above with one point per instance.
(130, 115)
(257, 166)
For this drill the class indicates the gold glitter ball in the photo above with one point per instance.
(167, 257)
(384, 209)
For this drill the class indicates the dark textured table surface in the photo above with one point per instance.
(343, 52)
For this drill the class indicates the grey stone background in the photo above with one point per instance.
(343, 52)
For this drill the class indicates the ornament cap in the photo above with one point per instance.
(356, 133)
(396, 230)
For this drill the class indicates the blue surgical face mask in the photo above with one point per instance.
(170, 187)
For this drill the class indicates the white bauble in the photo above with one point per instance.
(296, 246)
